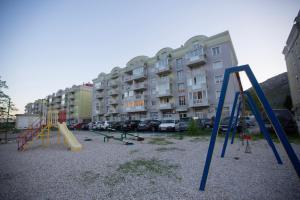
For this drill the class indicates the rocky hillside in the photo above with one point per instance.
(276, 90)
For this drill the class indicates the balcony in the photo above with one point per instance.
(99, 87)
(113, 92)
(113, 101)
(71, 96)
(198, 102)
(163, 70)
(199, 86)
(113, 111)
(140, 76)
(140, 86)
(99, 96)
(164, 93)
(113, 83)
(136, 109)
(196, 60)
(166, 106)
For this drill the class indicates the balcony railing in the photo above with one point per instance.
(139, 86)
(164, 93)
(136, 109)
(198, 102)
(135, 77)
(162, 70)
(113, 101)
(99, 87)
(113, 92)
(99, 96)
(166, 106)
(199, 86)
(196, 60)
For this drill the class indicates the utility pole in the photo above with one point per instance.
(7, 118)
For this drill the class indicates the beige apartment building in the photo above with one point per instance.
(74, 104)
(172, 84)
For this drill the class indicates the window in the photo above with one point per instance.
(154, 115)
(179, 62)
(153, 91)
(197, 95)
(218, 79)
(162, 63)
(97, 106)
(215, 51)
(196, 51)
(199, 79)
(218, 93)
(138, 71)
(181, 87)
(218, 65)
(182, 115)
(153, 103)
(180, 75)
(153, 80)
(181, 100)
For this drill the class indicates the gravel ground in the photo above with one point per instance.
(96, 172)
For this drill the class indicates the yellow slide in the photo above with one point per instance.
(69, 137)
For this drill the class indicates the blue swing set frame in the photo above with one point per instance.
(276, 125)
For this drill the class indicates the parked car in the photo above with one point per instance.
(286, 120)
(84, 126)
(97, 125)
(148, 125)
(183, 124)
(224, 124)
(205, 123)
(168, 125)
(90, 125)
(130, 125)
(104, 125)
(115, 126)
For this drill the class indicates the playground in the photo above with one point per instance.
(160, 167)
(123, 165)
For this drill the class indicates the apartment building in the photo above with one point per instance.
(38, 107)
(292, 57)
(174, 83)
(73, 103)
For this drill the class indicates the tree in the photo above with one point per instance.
(6, 106)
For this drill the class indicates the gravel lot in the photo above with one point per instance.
(171, 170)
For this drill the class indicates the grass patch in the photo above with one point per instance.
(177, 136)
(160, 141)
(139, 167)
(200, 139)
(163, 149)
(153, 166)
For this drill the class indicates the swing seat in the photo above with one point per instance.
(247, 137)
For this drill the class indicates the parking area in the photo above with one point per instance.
(163, 166)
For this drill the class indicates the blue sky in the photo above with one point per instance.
(46, 45)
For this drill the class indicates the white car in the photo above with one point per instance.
(168, 125)
(104, 125)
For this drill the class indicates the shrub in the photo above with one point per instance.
(193, 128)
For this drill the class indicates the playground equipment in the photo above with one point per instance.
(41, 128)
(107, 137)
(275, 123)
(69, 137)
(137, 137)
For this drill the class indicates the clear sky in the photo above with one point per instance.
(46, 45)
